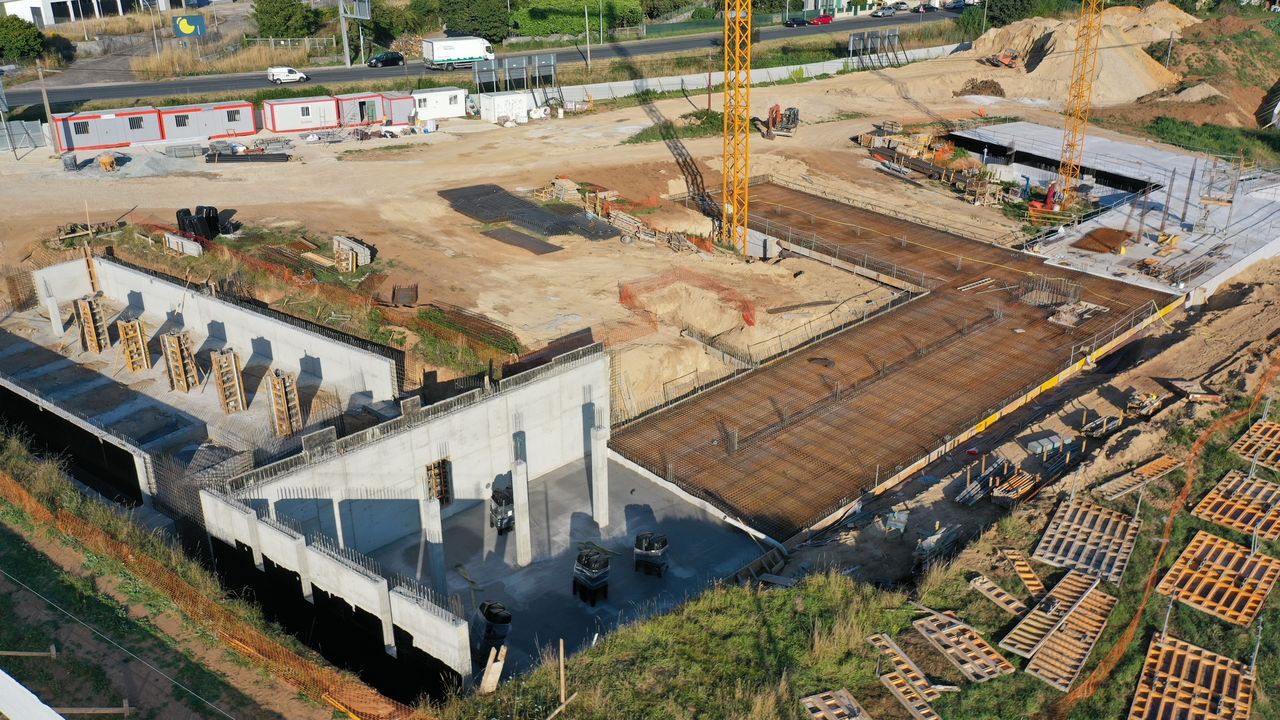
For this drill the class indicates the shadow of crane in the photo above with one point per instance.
(693, 178)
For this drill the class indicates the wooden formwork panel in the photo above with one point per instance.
(1137, 478)
(1064, 651)
(834, 705)
(1246, 504)
(909, 696)
(1015, 488)
(1221, 578)
(1026, 573)
(963, 646)
(133, 345)
(1045, 617)
(1181, 680)
(998, 595)
(905, 667)
(1261, 444)
(1090, 538)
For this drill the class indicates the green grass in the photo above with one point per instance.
(1258, 145)
(695, 124)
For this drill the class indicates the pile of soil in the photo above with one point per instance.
(1103, 240)
(973, 86)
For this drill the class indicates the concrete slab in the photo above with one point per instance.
(482, 566)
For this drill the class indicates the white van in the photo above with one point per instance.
(279, 75)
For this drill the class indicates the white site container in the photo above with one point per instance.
(514, 105)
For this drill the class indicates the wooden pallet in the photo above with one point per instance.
(1045, 617)
(963, 646)
(1221, 578)
(1064, 651)
(1261, 444)
(905, 667)
(1181, 680)
(1137, 478)
(1022, 566)
(998, 595)
(1090, 538)
(1245, 504)
(834, 705)
(909, 696)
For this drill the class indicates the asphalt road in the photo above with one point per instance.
(30, 94)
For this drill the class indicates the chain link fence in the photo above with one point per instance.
(22, 135)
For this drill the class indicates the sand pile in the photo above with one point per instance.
(1047, 48)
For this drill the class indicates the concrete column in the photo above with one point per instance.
(388, 622)
(337, 521)
(146, 482)
(524, 532)
(433, 541)
(600, 476)
(304, 570)
(55, 316)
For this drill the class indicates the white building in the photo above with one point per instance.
(439, 103)
(49, 12)
(301, 114)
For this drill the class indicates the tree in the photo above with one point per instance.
(285, 18)
(1004, 12)
(485, 18)
(19, 39)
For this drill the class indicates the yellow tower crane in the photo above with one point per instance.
(1079, 99)
(737, 123)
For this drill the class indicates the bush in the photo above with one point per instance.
(970, 21)
(540, 18)
(19, 39)
(658, 8)
(484, 18)
(703, 13)
(285, 18)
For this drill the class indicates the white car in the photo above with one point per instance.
(279, 75)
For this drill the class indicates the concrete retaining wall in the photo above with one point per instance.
(348, 370)
(435, 630)
(546, 422)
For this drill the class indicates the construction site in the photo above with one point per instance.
(453, 407)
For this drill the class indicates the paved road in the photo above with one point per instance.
(30, 94)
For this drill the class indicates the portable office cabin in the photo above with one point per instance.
(300, 114)
(439, 103)
(359, 109)
(106, 129)
(208, 121)
(397, 108)
(514, 105)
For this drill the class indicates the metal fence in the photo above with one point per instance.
(312, 44)
(22, 135)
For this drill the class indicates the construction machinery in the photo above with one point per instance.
(591, 575)
(1079, 99)
(1005, 58)
(737, 124)
(650, 553)
(779, 122)
(502, 511)
(1143, 404)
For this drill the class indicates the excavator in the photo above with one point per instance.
(1006, 58)
(779, 122)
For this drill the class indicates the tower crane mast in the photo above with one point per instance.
(1079, 99)
(737, 124)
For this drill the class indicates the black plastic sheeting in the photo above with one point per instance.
(214, 158)
(491, 204)
(515, 238)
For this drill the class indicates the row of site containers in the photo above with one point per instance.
(213, 121)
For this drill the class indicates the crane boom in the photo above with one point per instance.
(737, 123)
(1079, 98)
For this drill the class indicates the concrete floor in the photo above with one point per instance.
(482, 565)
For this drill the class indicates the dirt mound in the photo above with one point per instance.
(989, 88)
(1047, 48)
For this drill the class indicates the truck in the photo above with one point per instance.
(450, 53)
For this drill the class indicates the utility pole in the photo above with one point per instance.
(586, 22)
(4, 108)
(600, 22)
(342, 22)
(48, 114)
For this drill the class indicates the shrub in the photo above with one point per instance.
(484, 18)
(19, 39)
(285, 18)
(540, 18)
(703, 13)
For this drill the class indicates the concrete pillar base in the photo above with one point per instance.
(600, 476)
(433, 536)
(524, 531)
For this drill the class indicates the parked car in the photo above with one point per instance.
(954, 5)
(795, 22)
(924, 9)
(823, 19)
(902, 6)
(384, 59)
(279, 75)
(886, 11)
